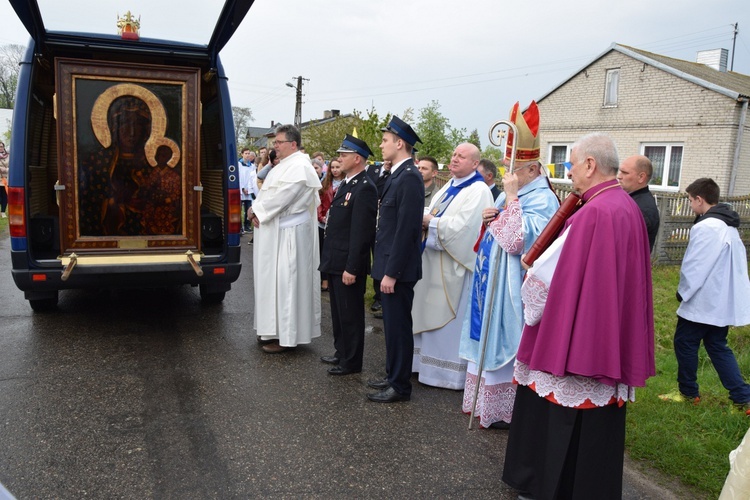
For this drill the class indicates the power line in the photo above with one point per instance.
(722, 27)
(421, 89)
(458, 77)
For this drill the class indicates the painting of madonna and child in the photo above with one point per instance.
(129, 180)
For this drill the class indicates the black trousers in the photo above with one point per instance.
(348, 318)
(375, 283)
(555, 452)
(3, 198)
(321, 238)
(246, 224)
(399, 338)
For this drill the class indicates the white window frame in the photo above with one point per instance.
(611, 88)
(550, 165)
(663, 186)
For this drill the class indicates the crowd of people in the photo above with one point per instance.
(550, 349)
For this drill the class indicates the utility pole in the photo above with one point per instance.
(298, 103)
(734, 41)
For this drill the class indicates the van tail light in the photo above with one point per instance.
(16, 212)
(235, 211)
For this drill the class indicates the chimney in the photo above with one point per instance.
(715, 58)
(335, 112)
(272, 124)
(327, 114)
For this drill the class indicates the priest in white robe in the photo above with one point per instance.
(285, 256)
(452, 224)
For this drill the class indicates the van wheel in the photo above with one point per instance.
(211, 297)
(43, 305)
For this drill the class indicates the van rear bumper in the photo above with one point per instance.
(217, 275)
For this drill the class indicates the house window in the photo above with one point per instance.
(558, 155)
(666, 160)
(612, 83)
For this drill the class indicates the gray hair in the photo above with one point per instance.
(291, 133)
(602, 149)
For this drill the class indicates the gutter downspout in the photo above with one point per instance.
(738, 146)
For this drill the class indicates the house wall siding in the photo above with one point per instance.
(653, 106)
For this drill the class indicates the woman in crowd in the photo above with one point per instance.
(263, 172)
(330, 184)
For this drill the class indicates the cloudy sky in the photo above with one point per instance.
(476, 57)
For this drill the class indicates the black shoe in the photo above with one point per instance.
(331, 360)
(265, 342)
(502, 425)
(388, 396)
(376, 306)
(378, 314)
(340, 370)
(380, 384)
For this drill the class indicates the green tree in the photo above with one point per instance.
(407, 115)
(495, 155)
(327, 137)
(435, 131)
(457, 136)
(474, 139)
(370, 130)
(10, 64)
(242, 118)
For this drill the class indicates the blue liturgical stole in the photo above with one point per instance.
(448, 196)
(481, 280)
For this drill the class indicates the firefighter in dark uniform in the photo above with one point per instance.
(398, 258)
(350, 231)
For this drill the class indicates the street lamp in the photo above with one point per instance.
(298, 104)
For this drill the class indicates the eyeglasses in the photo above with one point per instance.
(280, 142)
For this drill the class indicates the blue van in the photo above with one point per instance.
(123, 167)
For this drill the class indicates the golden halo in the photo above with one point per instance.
(152, 146)
(158, 120)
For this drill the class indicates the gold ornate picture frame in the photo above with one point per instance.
(128, 149)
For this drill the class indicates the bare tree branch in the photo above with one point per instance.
(10, 65)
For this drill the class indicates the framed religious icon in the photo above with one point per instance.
(128, 149)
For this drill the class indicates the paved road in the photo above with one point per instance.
(148, 393)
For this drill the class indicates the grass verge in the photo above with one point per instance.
(688, 442)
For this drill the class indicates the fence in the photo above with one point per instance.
(676, 219)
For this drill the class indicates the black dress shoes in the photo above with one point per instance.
(502, 425)
(331, 360)
(340, 370)
(376, 306)
(388, 396)
(380, 384)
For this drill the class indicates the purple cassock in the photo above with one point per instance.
(598, 321)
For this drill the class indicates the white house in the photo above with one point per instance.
(689, 118)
